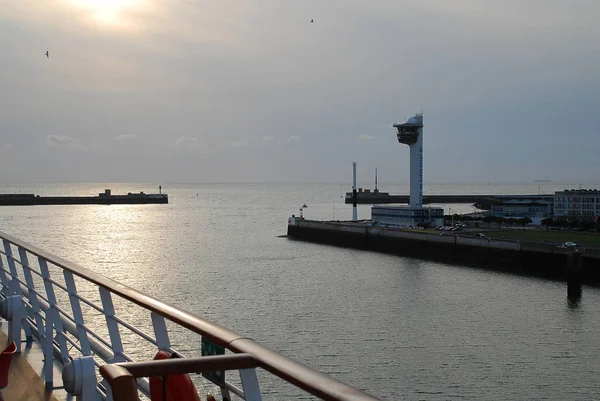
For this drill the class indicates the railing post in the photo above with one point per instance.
(225, 395)
(77, 314)
(250, 385)
(33, 299)
(14, 287)
(48, 349)
(111, 324)
(53, 322)
(160, 331)
(52, 318)
(5, 283)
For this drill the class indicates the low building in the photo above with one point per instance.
(582, 204)
(536, 210)
(405, 216)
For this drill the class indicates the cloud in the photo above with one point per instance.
(235, 144)
(269, 139)
(189, 143)
(366, 137)
(294, 138)
(66, 142)
(125, 137)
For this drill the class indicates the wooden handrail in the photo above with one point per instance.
(122, 382)
(176, 366)
(121, 376)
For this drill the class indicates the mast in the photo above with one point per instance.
(354, 210)
(376, 180)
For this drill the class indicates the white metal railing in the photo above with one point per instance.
(84, 320)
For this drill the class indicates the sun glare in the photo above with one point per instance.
(108, 12)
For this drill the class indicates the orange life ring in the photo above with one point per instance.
(178, 387)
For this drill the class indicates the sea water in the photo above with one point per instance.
(396, 327)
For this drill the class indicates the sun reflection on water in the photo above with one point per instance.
(117, 238)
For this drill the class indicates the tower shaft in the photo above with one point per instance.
(416, 173)
(411, 134)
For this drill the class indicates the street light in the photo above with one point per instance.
(302, 211)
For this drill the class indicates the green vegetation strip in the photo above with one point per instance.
(557, 237)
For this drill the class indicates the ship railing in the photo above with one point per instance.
(85, 321)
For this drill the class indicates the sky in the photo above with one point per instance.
(251, 91)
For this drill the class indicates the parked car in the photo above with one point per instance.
(570, 244)
(482, 235)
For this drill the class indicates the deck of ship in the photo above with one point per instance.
(24, 381)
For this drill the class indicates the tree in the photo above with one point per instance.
(499, 220)
(549, 221)
(588, 225)
(574, 222)
(561, 222)
(524, 221)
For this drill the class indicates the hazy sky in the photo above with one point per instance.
(251, 91)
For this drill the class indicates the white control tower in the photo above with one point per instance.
(414, 215)
(411, 133)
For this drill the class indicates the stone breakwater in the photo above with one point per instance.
(525, 257)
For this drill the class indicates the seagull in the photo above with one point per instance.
(312, 21)
(47, 54)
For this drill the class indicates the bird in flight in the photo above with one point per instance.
(47, 54)
(312, 21)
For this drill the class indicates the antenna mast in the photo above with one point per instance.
(354, 194)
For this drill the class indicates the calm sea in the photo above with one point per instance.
(399, 328)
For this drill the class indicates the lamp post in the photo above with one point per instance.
(302, 211)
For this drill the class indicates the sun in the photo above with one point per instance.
(108, 12)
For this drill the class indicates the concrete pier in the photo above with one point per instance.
(105, 198)
(365, 197)
(506, 255)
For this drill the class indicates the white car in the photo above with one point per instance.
(570, 244)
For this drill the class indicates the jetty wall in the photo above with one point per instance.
(504, 255)
(485, 201)
(130, 199)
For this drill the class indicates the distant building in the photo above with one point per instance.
(536, 210)
(577, 203)
(401, 216)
